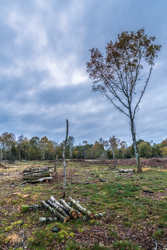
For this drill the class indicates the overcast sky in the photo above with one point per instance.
(44, 47)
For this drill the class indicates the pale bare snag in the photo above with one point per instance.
(55, 163)
(64, 161)
(116, 75)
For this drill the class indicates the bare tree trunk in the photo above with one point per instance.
(19, 152)
(132, 126)
(70, 152)
(139, 169)
(64, 162)
(55, 163)
(114, 157)
(10, 153)
(1, 154)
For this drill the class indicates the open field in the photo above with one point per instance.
(136, 206)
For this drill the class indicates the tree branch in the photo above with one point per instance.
(142, 92)
(109, 98)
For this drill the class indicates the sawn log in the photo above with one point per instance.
(59, 209)
(25, 208)
(73, 213)
(81, 209)
(53, 210)
(47, 219)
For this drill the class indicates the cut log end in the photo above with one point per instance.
(91, 215)
(64, 221)
(23, 208)
(74, 214)
(82, 209)
(79, 214)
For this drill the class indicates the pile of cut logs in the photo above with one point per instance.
(62, 210)
(37, 174)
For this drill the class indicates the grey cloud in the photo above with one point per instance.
(43, 81)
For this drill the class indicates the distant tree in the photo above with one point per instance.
(1, 146)
(34, 150)
(43, 144)
(7, 140)
(85, 148)
(14, 151)
(164, 142)
(123, 145)
(117, 75)
(103, 142)
(70, 145)
(97, 149)
(25, 148)
(19, 144)
(114, 143)
(50, 150)
(156, 149)
(163, 151)
(75, 154)
(145, 149)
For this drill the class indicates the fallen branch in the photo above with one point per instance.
(47, 219)
(40, 180)
(126, 170)
(36, 173)
(155, 246)
(30, 170)
(25, 208)
(24, 182)
(99, 215)
(28, 177)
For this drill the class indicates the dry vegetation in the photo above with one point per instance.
(136, 206)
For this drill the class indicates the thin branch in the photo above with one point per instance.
(142, 93)
(109, 98)
(110, 88)
(156, 245)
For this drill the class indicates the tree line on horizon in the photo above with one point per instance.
(44, 149)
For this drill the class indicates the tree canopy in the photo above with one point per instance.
(117, 74)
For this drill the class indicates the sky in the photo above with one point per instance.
(44, 47)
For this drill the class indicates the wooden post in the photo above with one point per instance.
(55, 163)
(64, 162)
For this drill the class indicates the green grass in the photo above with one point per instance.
(122, 197)
(126, 245)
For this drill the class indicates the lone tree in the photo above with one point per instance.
(116, 75)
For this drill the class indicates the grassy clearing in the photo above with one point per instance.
(134, 218)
